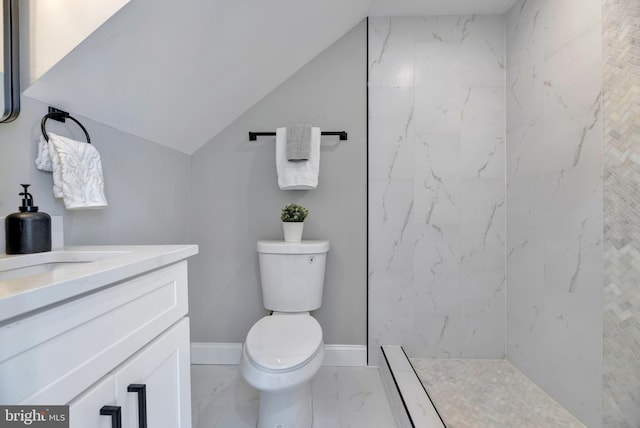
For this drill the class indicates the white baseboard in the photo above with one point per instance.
(230, 353)
(215, 353)
(345, 355)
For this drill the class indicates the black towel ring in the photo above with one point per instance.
(60, 116)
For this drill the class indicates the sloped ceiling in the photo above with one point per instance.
(48, 31)
(438, 7)
(178, 72)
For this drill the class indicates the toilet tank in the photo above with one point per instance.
(292, 274)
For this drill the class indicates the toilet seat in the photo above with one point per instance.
(282, 343)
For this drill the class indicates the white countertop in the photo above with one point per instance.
(81, 270)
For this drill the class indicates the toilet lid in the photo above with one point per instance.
(283, 342)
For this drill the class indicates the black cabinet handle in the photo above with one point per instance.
(115, 413)
(141, 389)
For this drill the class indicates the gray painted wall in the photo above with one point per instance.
(147, 185)
(236, 200)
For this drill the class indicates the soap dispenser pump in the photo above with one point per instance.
(27, 231)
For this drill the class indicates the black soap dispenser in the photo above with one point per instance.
(27, 231)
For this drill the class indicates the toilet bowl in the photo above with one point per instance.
(285, 350)
(280, 356)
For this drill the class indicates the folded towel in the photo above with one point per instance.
(298, 142)
(77, 173)
(297, 175)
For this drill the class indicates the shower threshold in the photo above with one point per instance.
(410, 402)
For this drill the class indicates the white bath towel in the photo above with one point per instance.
(77, 172)
(298, 175)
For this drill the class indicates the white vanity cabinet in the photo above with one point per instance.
(124, 345)
(150, 390)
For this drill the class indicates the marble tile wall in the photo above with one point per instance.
(437, 185)
(621, 389)
(555, 199)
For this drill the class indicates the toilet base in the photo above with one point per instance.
(291, 408)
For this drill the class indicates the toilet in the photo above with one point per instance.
(283, 351)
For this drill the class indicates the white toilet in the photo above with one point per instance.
(284, 351)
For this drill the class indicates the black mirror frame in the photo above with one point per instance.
(11, 60)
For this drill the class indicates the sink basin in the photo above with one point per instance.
(33, 270)
(22, 266)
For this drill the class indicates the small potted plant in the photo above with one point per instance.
(292, 217)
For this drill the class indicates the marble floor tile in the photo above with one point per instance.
(343, 397)
(488, 393)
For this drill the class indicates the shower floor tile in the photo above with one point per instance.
(343, 397)
(488, 393)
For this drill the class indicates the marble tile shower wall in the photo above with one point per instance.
(555, 199)
(437, 185)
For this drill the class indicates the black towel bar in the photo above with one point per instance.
(60, 116)
(253, 135)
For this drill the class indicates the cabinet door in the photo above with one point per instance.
(84, 411)
(163, 368)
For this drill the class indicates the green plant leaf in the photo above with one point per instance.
(294, 213)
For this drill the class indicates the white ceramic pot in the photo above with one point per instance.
(292, 231)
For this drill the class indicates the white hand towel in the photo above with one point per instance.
(56, 168)
(299, 175)
(77, 173)
(298, 142)
(43, 160)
